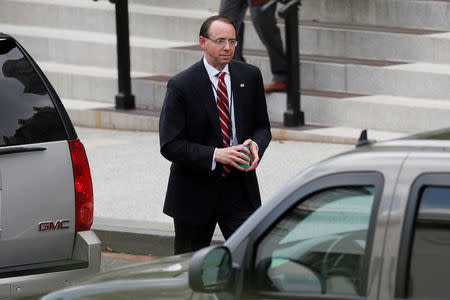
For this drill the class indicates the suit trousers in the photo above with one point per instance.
(266, 27)
(232, 209)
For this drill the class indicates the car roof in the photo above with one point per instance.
(431, 141)
(441, 134)
(4, 36)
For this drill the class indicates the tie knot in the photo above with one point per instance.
(221, 75)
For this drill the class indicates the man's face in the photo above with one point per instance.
(218, 55)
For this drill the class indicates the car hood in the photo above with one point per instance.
(165, 278)
(167, 267)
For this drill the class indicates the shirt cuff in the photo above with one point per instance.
(257, 147)
(213, 165)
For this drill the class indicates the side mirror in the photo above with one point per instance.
(210, 270)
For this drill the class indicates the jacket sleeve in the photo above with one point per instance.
(174, 144)
(261, 134)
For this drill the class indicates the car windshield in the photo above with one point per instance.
(442, 134)
(345, 214)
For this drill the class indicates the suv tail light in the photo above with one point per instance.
(84, 199)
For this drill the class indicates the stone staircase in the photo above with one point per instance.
(380, 64)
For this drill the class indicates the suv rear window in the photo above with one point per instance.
(27, 113)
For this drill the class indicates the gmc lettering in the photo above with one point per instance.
(57, 225)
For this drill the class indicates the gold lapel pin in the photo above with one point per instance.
(242, 85)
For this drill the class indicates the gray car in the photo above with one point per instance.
(46, 200)
(372, 223)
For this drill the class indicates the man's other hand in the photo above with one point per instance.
(233, 157)
(254, 156)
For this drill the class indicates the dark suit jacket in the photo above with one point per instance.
(189, 132)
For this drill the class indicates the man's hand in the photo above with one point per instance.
(232, 156)
(254, 156)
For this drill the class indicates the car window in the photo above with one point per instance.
(429, 267)
(27, 114)
(319, 246)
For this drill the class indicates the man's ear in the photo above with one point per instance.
(201, 41)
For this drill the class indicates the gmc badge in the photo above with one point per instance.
(57, 225)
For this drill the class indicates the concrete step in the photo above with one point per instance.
(63, 14)
(156, 22)
(169, 57)
(83, 82)
(99, 115)
(93, 114)
(420, 14)
(427, 14)
(317, 72)
(81, 47)
(330, 39)
(212, 5)
(409, 80)
(91, 48)
(380, 112)
(332, 108)
(349, 75)
(365, 41)
(87, 15)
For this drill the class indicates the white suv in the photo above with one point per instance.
(46, 200)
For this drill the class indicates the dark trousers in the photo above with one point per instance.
(232, 210)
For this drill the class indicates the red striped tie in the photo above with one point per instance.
(223, 108)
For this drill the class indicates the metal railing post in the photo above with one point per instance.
(293, 116)
(124, 97)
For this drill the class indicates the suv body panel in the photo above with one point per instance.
(36, 187)
(418, 163)
(86, 248)
(39, 248)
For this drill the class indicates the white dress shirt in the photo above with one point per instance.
(212, 72)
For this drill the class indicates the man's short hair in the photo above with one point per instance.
(204, 29)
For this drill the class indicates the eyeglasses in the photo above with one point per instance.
(222, 42)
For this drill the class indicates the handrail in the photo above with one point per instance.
(124, 97)
(293, 116)
(284, 10)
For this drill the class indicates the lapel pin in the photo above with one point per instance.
(242, 85)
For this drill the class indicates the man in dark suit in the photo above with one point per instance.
(210, 111)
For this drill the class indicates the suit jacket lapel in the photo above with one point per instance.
(206, 95)
(236, 80)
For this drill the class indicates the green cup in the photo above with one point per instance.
(245, 166)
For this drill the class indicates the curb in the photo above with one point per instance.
(136, 243)
(148, 120)
(139, 241)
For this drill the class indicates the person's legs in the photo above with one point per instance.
(235, 208)
(231, 222)
(235, 10)
(266, 26)
(192, 237)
